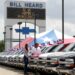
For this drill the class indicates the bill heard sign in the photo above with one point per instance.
(21, 4)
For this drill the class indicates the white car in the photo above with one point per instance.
(53, 57)
(67, 60)
(52, 54)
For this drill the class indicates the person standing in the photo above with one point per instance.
(26, 59)
(36, 51)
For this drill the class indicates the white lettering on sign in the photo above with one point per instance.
(27, 4)
(15, 4)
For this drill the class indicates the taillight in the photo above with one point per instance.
(56, 62)
(70, 66)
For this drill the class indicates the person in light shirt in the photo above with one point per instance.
(36, 50)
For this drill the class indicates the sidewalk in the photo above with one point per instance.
(7, 70)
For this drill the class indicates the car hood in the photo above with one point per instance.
(55, 54)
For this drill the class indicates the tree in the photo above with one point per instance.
(2, 45)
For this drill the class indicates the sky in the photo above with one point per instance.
(53, 16)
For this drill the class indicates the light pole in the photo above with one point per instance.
(4, 38)
(19, 23)
(11, 38)
(25, 26)
(35, 27)
(62, 21)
